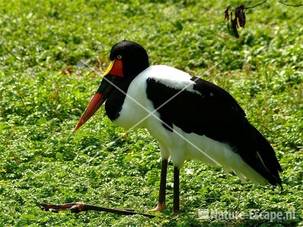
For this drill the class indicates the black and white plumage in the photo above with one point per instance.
(190, 117)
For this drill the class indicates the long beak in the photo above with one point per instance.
(113, 71)
(94, 104)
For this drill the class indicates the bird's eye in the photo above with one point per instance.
(119, 57)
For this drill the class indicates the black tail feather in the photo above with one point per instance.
(257, 152)
(266, 162)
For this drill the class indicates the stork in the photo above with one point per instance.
(191, 118)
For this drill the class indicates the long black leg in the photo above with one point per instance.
(161, 202)
(163, 181)
(176, 207)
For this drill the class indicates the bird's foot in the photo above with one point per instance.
(160, 207)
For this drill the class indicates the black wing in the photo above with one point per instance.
(211, 111)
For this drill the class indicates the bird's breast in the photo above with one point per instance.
(135, 108)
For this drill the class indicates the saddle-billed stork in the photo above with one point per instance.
(191, 118)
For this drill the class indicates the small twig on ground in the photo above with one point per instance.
(79, 207)
(254, 6)
(292, 5)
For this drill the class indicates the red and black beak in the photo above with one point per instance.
(114, 70)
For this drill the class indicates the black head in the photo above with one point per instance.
(133, 56)
(128, 59)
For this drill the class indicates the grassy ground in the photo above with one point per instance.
(49, 54)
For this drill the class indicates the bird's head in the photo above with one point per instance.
(128, 59)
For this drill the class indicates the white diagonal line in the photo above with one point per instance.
(152, 113)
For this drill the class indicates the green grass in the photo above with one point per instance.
(49, 53)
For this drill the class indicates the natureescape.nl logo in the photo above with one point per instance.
(253, 214)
